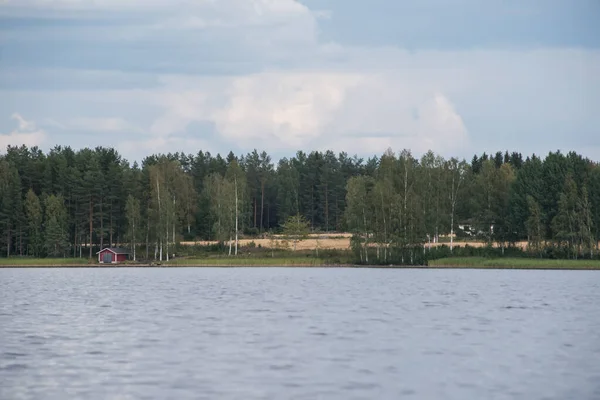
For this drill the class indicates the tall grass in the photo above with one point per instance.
(27, 261)
(516, 263)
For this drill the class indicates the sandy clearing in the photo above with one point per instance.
(339, 242)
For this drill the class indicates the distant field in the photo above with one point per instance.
(312, 243)
(334, 241)
(533, 263)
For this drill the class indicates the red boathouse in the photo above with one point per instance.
(112, 255)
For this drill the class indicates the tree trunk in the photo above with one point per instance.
(405, 203)
(133, 240)
(75, 243)
(452, 230)
(312, 208)
(262, 203)
(101, 224)
(174, 218)
(236, 217)
(326, 208)
(255, 205)
(366, 236)
(167, 243)
(8, 241)
(110, 237)
(91, 225)
(148, 237)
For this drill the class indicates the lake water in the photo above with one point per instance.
(299, 333)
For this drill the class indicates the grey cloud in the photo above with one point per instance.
(229, 37)
(224, 82)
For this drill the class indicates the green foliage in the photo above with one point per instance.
(534, 224)
(33, 211)
(392, 204)
(516, 263)
(296, 228)
(133, 216)
(55, 223)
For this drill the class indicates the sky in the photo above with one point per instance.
(154, 76)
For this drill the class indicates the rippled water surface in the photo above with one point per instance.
(276, 333)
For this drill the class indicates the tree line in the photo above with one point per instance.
(73, 203)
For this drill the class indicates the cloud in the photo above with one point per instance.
(102, 125)
(215, 37)
(26, 134)
(432, 124)
(260, 74)
(232, 12)
(290, 109)
(287, 110)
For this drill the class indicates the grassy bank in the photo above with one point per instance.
(244, 262)
(41, 262)
(295, 261)
(514, 263)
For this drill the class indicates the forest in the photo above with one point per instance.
(67, 203)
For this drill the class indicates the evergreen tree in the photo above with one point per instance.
(33, 212)
(56, 241)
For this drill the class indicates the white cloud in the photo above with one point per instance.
(451, 102)
(26, 134)
(290, 108)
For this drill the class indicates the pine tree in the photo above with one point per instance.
(33, 212)
(55, 227)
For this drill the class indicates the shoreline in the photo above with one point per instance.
(352, 266)
(267, 262)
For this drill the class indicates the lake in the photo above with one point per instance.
(299, 333)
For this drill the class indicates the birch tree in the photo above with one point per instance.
(132, 211)
(236, 175)
(457, 171)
